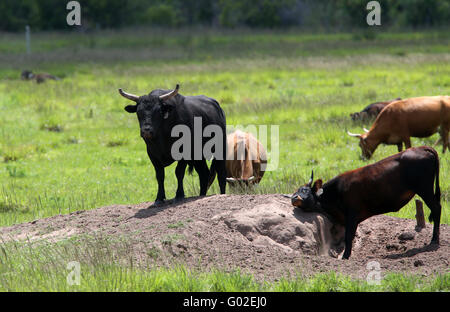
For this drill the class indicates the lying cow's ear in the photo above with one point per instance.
(131, 108)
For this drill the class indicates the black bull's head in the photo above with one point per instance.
(152, 109)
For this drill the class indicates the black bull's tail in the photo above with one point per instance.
(437, 191)
(212, 173)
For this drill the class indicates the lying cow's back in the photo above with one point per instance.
(372, 110)
(246, 157)
(419, 117)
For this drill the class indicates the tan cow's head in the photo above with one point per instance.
(241, 181)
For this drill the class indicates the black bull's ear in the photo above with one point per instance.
(131, 108)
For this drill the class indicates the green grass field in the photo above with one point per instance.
(45, 267)
(69, 145)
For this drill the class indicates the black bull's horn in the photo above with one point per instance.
(129, 96)
(171, 94)
(135, 98)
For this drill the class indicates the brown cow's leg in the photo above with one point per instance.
(445, 138)
(437, 141)
(435, 216)
(350, 230)
(400, 147)
(407, 143)
(432, 199)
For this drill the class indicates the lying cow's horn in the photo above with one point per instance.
(231, 179)
(312, 178)
(353, 134)
(251, 178)
(365, 130)
(128, 95)
(171, 94)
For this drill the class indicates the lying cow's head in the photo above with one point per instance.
(152, 109)
(366, 148)
(27, 75)
(307, 196)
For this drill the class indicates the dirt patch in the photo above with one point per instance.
(260, 234)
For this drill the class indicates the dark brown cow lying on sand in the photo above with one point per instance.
(372, 110)
(40, 78)
(385, 186)
(399, 121)
(246, 159)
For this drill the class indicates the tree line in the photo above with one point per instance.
(313, 14)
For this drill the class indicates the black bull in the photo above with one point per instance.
(385, 186)
(158, 113)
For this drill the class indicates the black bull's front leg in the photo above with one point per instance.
(200, 167)
(161, 196)
(159, 171)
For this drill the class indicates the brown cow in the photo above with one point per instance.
(372, 110)
(415, 117)
(40, 78)
(382, 187)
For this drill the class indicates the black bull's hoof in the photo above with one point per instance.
(158, 202)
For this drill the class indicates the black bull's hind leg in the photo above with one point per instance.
(222, 168)
(201, 168)
(222, 175)
(218, 167)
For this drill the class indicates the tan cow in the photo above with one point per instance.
(246, 159)
(399, 121)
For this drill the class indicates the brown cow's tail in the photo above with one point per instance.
(437, 190)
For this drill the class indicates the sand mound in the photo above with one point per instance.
(292, 229)
(259, 234)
